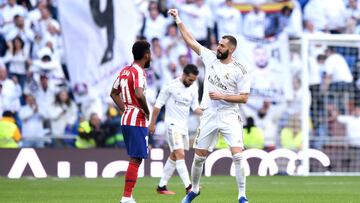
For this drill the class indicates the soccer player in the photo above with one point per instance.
(128, 93)
(178, 97)
(226, 86)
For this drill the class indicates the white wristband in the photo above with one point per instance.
(177, 20)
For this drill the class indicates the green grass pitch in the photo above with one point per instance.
(220, 189)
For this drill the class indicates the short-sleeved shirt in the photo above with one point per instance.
(131, 77)
(228, 79)
(178, 100)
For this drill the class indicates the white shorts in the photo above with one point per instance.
(177, 138)
(227, 122)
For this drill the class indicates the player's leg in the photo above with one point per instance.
(168, 171)
(207, 133)
(130, 179)
(136, 145)
(231, 128)
(182, 169)
(170, 164)
(239, 173)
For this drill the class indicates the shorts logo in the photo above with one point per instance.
(197, 135)
(177, 137)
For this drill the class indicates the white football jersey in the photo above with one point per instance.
(230, 79)
(178, 100)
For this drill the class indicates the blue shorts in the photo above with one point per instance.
(136, 141)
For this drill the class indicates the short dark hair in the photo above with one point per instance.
(191, 68)
(231, 39)
(8, 114)
(140, 48)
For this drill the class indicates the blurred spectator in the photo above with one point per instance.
(45, 23)
(291, 136)
(336, 16)
(35, 15)
(63, 113)
(88, 101)
(9, 12)
(315, 12)
(111, 126)
(173, 44)
(11, 91)
(32, 124)
(9, 132)
(278, 22)
(23, 31)
(309, 27)
(155, 23)
(294, 28)
(229, 20)
(44, 93)
(18, 61)
(50, 65)
(253, 136)
(317, 106)
(254, 23)
(352, 16)
(90, 133)
(352, 123)
(199, 20)
(338, 79)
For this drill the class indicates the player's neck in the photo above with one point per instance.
(140, 63)
(227, 60)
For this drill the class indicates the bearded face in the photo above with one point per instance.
(147, 63)
(222, 55)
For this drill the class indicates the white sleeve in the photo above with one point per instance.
(343, 119)
(116, 83)
(329, 67)
(195, 99)
(243, 83)
(25, 113)
(163, 97)
(207, 56)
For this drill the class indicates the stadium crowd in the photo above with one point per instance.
(36, 96)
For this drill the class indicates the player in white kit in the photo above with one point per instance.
(178, 96)
(226, 86)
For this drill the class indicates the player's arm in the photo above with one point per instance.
(140, 96)
(240, 98)
(160, 101)
(188, 38)
(154, 116)
(115, 96)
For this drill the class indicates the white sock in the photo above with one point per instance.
(183, 172)
(125, 199)
(240, 174)
(196, 171)
(169, 169)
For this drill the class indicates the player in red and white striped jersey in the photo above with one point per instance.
(131, 77)
(128, 93)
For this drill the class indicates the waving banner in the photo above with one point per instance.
(98, 35)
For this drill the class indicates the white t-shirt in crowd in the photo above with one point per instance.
(336, 66)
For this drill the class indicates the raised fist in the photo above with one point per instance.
(173, 12)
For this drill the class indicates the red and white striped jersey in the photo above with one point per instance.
(130, 78)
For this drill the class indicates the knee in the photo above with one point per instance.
(136, 160)
(179, 155)
(199, 160)
(237, 157)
